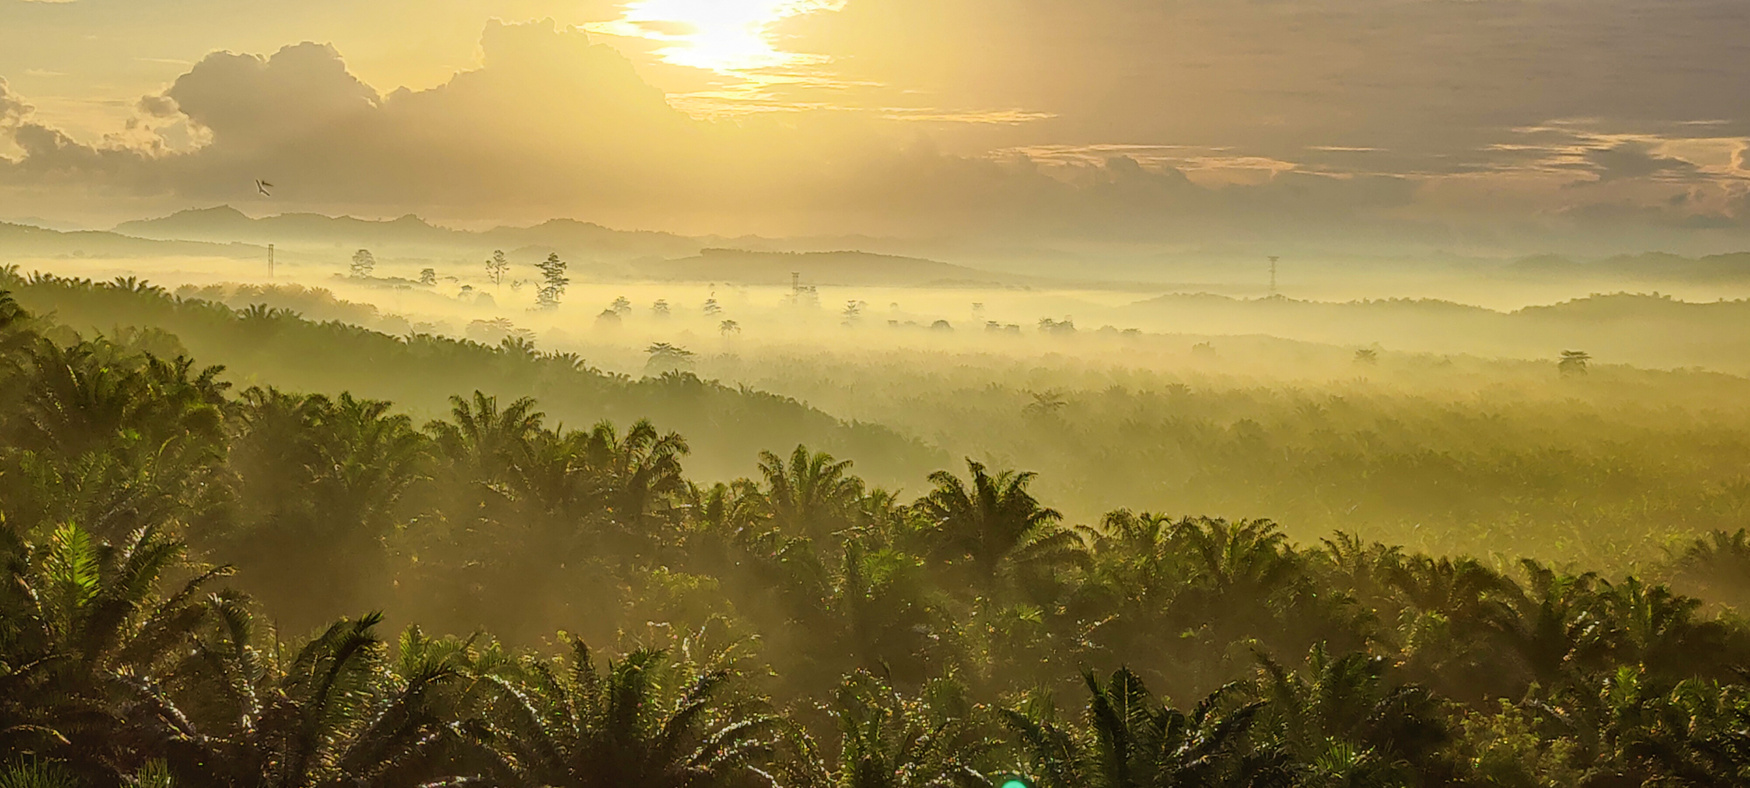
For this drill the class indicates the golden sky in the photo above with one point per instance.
(1095, 118)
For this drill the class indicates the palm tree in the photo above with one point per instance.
(1249, 559)
(1717, 566)
(1657, 629)
(889, 740)
(484, 440)
(1131, 740)
(339, 710)
(1625, 727)
(79, 401)
(1573, 362)
(1344, 725)
(1242, 578)
(878, 613)
(996, 524)
(84, 625)
(641, 472)
(812, 495)
(1548, 625)
(646, 722)
(1444, 628)
(665, 357)
(1045, 403)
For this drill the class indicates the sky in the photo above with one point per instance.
(1511, 125)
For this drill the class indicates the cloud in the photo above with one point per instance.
(254, 103)
(158, 106)
(1434, 83)
(549, 122)
(1635, 160)
(12, 107)
(1152, 141)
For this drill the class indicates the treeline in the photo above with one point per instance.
(306, 340)
(186, 568)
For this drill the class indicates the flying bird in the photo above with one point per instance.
(263, 186)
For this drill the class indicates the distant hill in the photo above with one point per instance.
(1657, 266)
(225, 224)
(581, 240)
(1645, 330)
(17, 240)
(820, 268)
(1649, 267)
(570, 234)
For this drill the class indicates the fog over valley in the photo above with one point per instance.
(857, 394)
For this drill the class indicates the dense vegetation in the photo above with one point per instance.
(305, 340)
(1449, 455)
(1489, 457)
(188, 569)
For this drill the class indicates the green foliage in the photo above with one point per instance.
(301, 340)
(874, 640)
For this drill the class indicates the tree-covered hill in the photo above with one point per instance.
(277, 347)
(186, 568)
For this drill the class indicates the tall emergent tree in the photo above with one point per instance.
(363, 262)
(553, 281)
(497, 267)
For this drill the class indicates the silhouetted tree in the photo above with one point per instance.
(665, 357)
(497, 267)
(553, 281)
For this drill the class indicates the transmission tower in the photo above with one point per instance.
(1273, 260)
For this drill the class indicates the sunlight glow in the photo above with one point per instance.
(725, 36)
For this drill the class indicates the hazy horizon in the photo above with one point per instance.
(1302, 127)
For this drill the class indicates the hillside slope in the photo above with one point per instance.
(18, 240)
(420, 373)
(570, 238)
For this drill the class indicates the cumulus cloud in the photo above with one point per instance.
(12, 107)
(550, 121)
(252, 102)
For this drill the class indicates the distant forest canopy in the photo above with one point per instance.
(1450, 455)
(189, 566)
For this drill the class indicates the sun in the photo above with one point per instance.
(725, 36)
